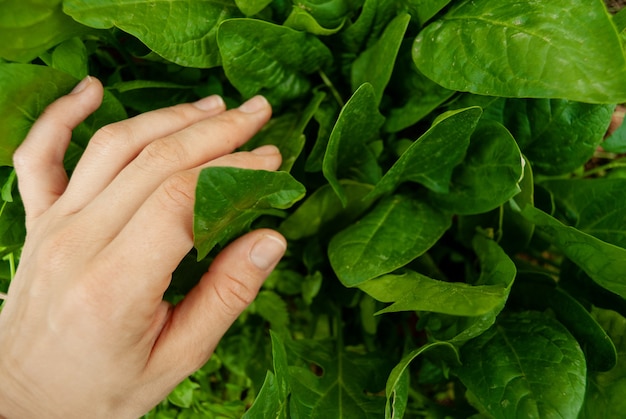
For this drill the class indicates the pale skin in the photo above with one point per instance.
(84, 331)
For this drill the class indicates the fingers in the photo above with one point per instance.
(39, 160)
(191, 147)
(159, 235)
(201, 319)
(115, 145)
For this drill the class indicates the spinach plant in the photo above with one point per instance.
(457, 225)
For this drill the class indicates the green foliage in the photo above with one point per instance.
(457, 243)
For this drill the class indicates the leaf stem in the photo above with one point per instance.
(613, 165)
(331, 86)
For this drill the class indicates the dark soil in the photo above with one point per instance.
(615, 6)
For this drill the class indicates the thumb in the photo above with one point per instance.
(200, 320)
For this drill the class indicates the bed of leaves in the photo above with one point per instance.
(456, 218)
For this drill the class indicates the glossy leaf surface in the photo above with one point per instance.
(526, 49)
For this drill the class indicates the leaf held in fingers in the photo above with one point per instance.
(229, 199)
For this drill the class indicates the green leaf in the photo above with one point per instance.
(605, 391)
(347, 155)
(398, 230)
(183, 394)
(342, 390)
(432, 157)
(397, 383)
(228, 200)
(424, 10)
(71, 57)
(526, 366)
(594, 206)
(374, 17)
(287, 132)
(26, 91)
(542, 294)
(603, 262)
(488, 177)
(329, 13)
(616, 143)
(323, 209)
(301, 20)
(496, 269)
(544, 49)
(272, 308)
(30, 27)
(252, 7)
(375, 64)
(263, 58)
(557, 136)
(272, 400)
(412, 291)
(414, 95)
(181, 31)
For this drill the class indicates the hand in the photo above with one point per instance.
(85, 331)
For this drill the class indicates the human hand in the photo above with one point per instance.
(85, 331)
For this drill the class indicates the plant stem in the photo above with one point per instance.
(613, 165)
(330, 86)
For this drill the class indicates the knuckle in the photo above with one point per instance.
(235, 295)
(112, 137)
(177, 192)
(162, 153)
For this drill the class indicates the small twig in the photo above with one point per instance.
(3, 296)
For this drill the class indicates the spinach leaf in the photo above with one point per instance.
(525, 49)
(522, 366)
(229, 199)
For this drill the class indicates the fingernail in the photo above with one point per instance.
(256, 104)
(81, 86)
(266, 150)
(267, 252)
(209, 103)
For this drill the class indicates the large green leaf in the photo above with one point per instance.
(347, 154)
(399, 229)
(29, 28)
(375, 64)
(264, 58)
(525, 366)
(605, 391)
(558, 136)
(228, 199)
(595, 206)
(432, 157)
(603, 262)
(342, 390)
(182, 31)
(565, 49)
(488, 177)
